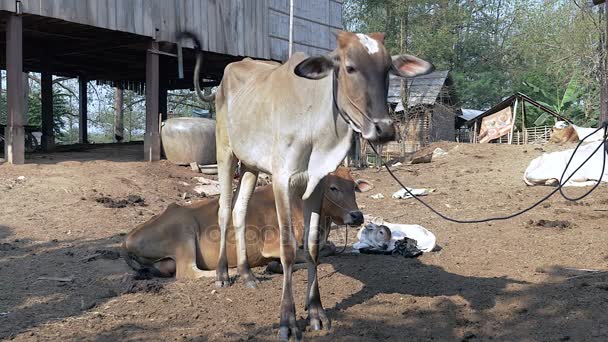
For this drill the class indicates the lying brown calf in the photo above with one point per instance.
(563, 135)
(184, 240)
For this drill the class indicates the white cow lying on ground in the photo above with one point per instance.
(548, 168)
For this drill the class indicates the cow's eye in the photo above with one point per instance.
(333, 188)
(350, 69)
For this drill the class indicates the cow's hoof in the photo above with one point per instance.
(252, 284)
(317, 318)
(222, 278)
(222, 283)
(248, 278)
(251, 281)
(286, 331)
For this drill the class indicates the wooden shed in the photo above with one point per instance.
(514, 109)
(132, 44)
(426, 109)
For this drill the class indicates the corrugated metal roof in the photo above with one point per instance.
(422, 89)
(470, 114)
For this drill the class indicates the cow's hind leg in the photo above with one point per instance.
(287, 325)
(239, 214)
(226, 164)
(317, 318)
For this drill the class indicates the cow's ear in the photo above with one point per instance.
(361, 185)
(315, 68)
(379, 36)
(410, 66)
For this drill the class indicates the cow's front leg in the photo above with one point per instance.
(317, 318)
(226, 164)
(287, 325)
(239, 215)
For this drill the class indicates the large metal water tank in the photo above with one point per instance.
(186, 140)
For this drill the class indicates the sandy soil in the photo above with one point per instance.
(506, 280)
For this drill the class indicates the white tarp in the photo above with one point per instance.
(403, 194)
(548, 168)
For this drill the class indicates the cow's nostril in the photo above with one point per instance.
(378, 129)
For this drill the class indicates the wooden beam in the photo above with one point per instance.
(152, 135)
(14, 135)
(46, 90)
(83, 135)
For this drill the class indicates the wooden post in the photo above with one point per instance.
(46, 90)
(523, 121)
(514, 117)
(83, 111)
(290, 43)
(475, 133)
(604, 71)
(152, 136)
(14, 134)
(119, 115)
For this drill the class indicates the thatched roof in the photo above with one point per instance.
(423, 90)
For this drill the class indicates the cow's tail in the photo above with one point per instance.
(143, 270)
(197, 67)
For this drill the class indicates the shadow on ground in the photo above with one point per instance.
(383, 298)
(463, 308)
(50, 281)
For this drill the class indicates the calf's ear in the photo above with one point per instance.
(363, 186)
(410, 66)
(315, 68)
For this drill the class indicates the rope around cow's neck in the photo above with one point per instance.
(559, 189)
(328, 218)
(342, 113)
(328, 222)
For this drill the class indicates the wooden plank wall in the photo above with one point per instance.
(255, 28)
(234, 27)
(314, 21)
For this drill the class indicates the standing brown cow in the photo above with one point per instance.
(295, 122)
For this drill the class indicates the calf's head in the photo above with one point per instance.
(562, 132)
(376, 236)
(360, 65)
(339, 201)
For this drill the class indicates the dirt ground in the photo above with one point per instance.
(508, 281)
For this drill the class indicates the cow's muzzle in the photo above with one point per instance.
(381, 131)
(353, 218)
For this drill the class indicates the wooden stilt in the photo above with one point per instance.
(152, 136)
(46, 89)
(14, 135)
(83, 135)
